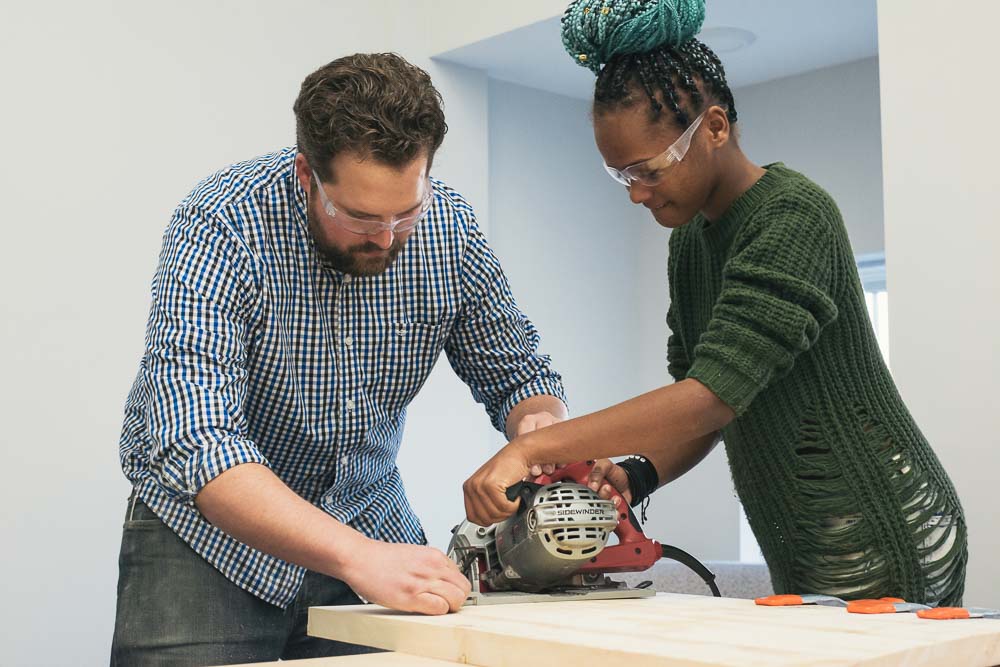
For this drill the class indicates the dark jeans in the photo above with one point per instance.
(176, 609)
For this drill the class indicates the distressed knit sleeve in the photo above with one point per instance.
(774, 300)
(678, 362)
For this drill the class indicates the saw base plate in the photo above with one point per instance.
(562, 595)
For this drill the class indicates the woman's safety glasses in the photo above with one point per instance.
(650, 172)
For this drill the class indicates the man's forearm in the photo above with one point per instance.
(250, 503)
(533, 405)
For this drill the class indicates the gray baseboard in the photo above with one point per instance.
(734, 579)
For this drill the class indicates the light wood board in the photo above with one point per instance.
(668, 629)
(363, 660)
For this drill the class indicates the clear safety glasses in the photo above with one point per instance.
(396, 224)
(652, 171)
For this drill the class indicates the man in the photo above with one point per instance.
(300, 302)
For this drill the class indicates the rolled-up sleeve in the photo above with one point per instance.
(194, 368)
(493, 347)
(773, 304)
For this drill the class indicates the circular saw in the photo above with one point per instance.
(555, 547)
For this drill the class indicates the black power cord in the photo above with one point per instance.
(684, 558)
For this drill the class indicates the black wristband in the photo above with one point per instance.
(642, 477)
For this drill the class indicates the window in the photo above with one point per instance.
(871, 268)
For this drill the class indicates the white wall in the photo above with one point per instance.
(566, 237)
(72, 329)
(457, 23)
(114, 110)
(942, 227)
(825, 124)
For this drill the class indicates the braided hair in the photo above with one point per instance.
(647, 47)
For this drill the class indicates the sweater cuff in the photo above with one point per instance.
(731, 386)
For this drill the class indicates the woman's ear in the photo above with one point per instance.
(718, 125)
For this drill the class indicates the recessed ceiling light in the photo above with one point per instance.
(724, 39)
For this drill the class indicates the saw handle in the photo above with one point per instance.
(523, 490)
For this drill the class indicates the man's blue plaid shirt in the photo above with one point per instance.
(258, 352)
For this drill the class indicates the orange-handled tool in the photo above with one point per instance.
(825, 600)
(884, 607)
(949, 613)
(796, 600)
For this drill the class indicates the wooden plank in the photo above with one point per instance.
(670, 629)
(364, 660)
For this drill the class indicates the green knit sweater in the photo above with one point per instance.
(841, 489)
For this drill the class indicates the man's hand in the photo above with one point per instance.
(533, 413)
(606, 475)
(407, 577)
(533, 422)
(486, 491)
(250, 503)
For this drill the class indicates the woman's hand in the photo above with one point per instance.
(486, 491)
(607, 476)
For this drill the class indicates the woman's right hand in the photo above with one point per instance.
(607, 475)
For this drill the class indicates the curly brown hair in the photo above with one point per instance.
(374, 104)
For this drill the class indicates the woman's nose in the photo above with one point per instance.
(639, 193)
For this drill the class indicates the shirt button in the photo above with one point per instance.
(348, 341)
(350, 404)
(348, 277)
(344, 460)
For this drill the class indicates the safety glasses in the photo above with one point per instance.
(396, 224)
(652, 171)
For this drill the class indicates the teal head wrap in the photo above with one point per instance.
(594, 31)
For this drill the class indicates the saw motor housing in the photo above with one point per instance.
(561, 527)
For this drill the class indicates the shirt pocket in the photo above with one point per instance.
(406, 356)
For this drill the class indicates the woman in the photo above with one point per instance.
(770, 345)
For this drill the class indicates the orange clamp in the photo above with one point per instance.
(944, 613)
(779, 600)
(871, 607)
(883, 606)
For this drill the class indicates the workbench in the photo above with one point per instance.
(668, 629)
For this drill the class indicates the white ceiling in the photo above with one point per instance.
(792, 36)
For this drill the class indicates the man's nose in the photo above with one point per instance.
(383, 239)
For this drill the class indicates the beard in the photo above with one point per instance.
(365, 259)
